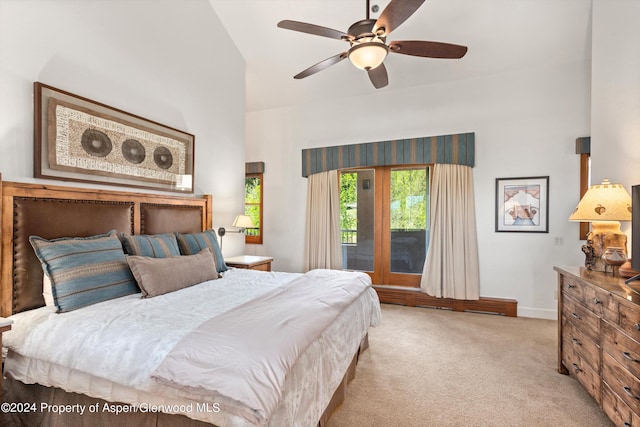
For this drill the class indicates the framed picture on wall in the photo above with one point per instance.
(522, 204)
(78, 139)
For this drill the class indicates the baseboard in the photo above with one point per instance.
(538, 313)
(414, 297)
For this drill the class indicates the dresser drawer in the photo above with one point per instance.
(622, 382)
(579, 369)
(615, 408)
(601, 302)
(622, 348)
(584, 319)
(630, 320)
(572, 287)
(574, 338)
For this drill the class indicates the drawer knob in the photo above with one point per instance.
(575, 316)
(626, 424)
(597, 301)
(570, 286)
(576, 341)
(627, 356)
(576, 368)
(636, 326)
(627, 390)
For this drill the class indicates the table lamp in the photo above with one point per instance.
(242, 222)
(604, 206)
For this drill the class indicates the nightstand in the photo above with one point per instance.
(250, 262)
(5, 325)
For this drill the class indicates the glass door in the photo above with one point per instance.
(407, 225)
(384, 215)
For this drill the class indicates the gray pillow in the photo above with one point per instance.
(157, 276)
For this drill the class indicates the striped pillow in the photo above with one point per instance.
(191, 244)
(85, 270)
(153, 246)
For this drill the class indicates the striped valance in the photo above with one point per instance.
(254, 167)
(455, 149)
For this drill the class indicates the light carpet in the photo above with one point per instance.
(430, 367)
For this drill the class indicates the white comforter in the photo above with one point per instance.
(125, 340)
(241, 358)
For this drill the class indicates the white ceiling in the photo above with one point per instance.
(502, 35)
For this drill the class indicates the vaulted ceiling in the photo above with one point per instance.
(502, 36)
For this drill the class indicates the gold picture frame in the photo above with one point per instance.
(78, 139)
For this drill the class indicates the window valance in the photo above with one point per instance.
(583, 145)
(254, 167)
(451, 149)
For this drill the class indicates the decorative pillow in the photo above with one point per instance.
(84, 270)
(46, 291)
(157, 276)
(154, 246)
(193, 243)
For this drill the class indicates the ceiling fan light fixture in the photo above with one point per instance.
(368, 55)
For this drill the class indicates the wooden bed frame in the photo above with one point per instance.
(59, 211)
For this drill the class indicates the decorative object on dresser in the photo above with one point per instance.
(599, 339)
(78, 139)
(250, 262)
(604, 205)
(614, 257)
(242, 222)
(626, 270)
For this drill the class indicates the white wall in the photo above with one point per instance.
(615, 89)
(525, 122)
(166, 60)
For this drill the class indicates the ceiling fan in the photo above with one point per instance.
(367, 39)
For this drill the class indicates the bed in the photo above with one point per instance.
(170, 358)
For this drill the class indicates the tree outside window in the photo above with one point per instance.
(253, 206)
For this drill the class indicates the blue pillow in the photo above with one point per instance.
(191, 244)
(84, 270)
(153, 246)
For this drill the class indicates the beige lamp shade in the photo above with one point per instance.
(243, 221)
(604, 202)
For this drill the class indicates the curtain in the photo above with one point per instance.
(322, 238)
(451, 269)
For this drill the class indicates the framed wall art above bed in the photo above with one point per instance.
(78, 139)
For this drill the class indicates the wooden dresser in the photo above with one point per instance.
(599, 339)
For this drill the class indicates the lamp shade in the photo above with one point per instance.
(369, 55)
(243, 221)
(604, 202)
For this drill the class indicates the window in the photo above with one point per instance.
(253, 206)
(384, 222)
(583, 148)
(585, 178)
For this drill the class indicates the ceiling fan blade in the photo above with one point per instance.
(316, 30)
(396, 12)
(428, 49)
(321, 65)
(378, 76)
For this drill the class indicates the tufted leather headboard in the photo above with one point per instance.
(55, 211)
